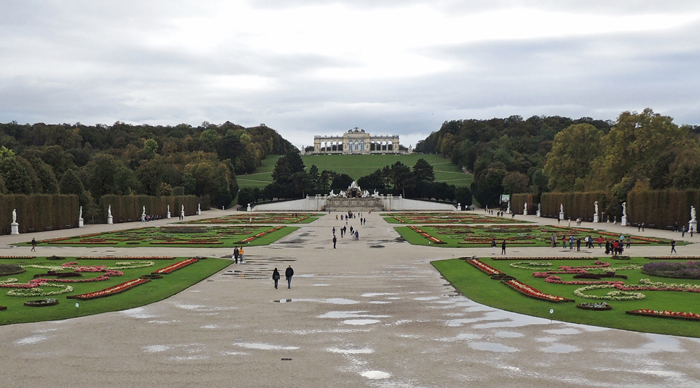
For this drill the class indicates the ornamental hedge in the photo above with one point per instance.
(518, 200)
(576, 205)
(130, 207)
(662, 208)
(39, 212)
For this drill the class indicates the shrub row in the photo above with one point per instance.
(130, 207)
(518, 200)
(38, 212)
(662, 208)
(576, 205)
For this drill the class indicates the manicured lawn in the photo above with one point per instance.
(479, 287)
(260, 218)
(358, 166)
(141, 295)
(476, 236)
(447, 218)
(179, 235)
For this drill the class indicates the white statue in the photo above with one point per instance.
(525, 208)
(109, 211)
(624, 209)
(14, 216)
(353, 185)
(332, 194)
(144, 211)
(183, 209)
(561, 208)
(539, 206)
(80, 216)
(168, 208)
(596, 207)
(692, 213)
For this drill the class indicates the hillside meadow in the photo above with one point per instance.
(358, 166)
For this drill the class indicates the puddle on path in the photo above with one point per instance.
(361, 322)
(375, 375)
(492, 347)
(560, 348)
(350, 351)
(263, 346)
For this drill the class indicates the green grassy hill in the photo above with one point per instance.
(358, 166)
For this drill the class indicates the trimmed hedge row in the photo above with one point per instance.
(39, 212)
(662, 208)
(576, 205)
(517, 202)
(130, 207)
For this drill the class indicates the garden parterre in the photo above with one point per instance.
(515, 235)
(447, 218)
(101, 278)
(178, 235)
(619, 283)
(259, 218)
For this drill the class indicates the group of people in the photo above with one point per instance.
(288, 273)
(238, 254)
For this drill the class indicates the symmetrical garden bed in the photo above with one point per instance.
(179, 235)
(447, 218)
(593, 284)
(514, 235)
(260, 218)
(102, 278)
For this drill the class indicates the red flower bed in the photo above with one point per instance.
(186, 242)
(483, 267)
(17, 257)
(532, 292)
(175, 266)
(125, 258)
(110, 290)
(541, 258)
(665, 314)
(249, 239)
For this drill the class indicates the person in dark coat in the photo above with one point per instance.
(335, 240)
(235, 254)
(288, 273)
(276, 276)
(503, 247)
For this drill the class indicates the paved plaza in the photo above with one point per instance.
(371, 313)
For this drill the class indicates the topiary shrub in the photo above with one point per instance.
(10, 269)
(687, 270)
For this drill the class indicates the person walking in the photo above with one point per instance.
(33, 244)
(240, 253)
(578, 244)
(673, 246)
(236, 252)
(276, 276)
(629, 241)
(288, 273)
(503, 247)
(683, 231)
(335, 240)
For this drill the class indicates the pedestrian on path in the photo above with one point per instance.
(673, 246)
(288, 273)
(33, 244)
(503, 247)
(276, 276)
(335, 240)
(240, 253)
(235, 254)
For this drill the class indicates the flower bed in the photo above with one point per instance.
(111, 290)
(17, 257)
(533, 292)
(41, 302)
(665, 314)
(674, 258)
(541, 258)
(612, 295)
(175, 266)
(600, 306)
(483, 267)
(125, 258)
(427, 235)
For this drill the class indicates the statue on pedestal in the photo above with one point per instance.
(14, 216)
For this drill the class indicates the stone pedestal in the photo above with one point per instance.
(81, 223)
(182, 214)
(561, 216)
(623, 222)
(110, 220)
(167, 215)
(508, 210)
(524, 212)
(14, 228)
(249, 208)
(595, 219)
(539, 214)
(693, 224)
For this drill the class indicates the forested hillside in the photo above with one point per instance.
(637, 151)
(92, 161)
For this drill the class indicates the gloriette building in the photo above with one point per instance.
(356, 141)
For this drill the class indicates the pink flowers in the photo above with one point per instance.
(665, 314)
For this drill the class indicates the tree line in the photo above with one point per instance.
(638, 151)
(124, 159)
(291, 179)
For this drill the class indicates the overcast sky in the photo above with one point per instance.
(312, 67)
